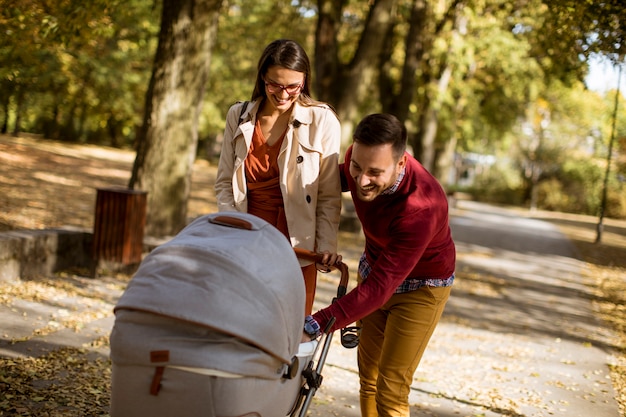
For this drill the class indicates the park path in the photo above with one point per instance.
(518, 337)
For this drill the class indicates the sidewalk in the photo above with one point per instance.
(518, 337)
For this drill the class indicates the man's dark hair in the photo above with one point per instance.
(381, 129)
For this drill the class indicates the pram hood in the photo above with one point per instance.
(244, 283)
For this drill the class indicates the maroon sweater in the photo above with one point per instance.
(407, 235)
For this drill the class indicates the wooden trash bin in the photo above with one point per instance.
(120, 220)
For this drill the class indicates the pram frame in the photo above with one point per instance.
(313, 373)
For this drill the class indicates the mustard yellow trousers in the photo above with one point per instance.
(392, 342)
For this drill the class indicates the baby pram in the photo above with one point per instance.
(211, 323)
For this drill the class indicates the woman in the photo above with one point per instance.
(279, 158)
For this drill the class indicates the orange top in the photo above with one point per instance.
(265, 199)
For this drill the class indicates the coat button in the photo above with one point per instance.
(299, 159)
(308, 199)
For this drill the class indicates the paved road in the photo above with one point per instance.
(518, 337)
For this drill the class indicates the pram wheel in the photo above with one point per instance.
(350, 337)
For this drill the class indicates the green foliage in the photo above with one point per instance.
(616, 201)
(77, 71)
(584, 27)
(499, 183)
(578, 189)
(516, 53)
(575, 189)
(552, 197)
(573, 185)
(503, 73)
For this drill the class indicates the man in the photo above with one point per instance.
(406, 270)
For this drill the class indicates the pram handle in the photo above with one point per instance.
(314, 376)
(340, 266)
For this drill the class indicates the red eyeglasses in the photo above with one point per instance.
(292, 90)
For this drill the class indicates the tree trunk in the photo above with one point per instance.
(430, 122)
(433, 98)
(444, 163)
(19, 108)
(113, 131)
(81, 136)
(417, 42)
(5, 122)
(327, 65)
(347, 85)
(167, 141)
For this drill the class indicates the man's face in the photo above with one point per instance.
(374, 169)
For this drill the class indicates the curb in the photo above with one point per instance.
(31, 253)
(28, 254)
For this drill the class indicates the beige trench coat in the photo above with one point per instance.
(309, 173)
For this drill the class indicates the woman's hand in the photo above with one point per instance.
(328, 261)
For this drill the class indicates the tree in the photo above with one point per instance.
(428, 58)
(167, 140)
(346, 83)
(460, 73)
(68, 67)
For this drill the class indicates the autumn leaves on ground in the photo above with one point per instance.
(46, 184)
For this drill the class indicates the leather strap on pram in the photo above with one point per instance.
(155, 386)
(231, 222)
(158, 356)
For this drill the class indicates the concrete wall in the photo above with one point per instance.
(28, 254)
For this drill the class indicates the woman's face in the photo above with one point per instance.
(282, 87)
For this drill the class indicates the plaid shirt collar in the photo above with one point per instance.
(395, 185)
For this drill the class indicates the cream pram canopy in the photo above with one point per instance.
(244, 283)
